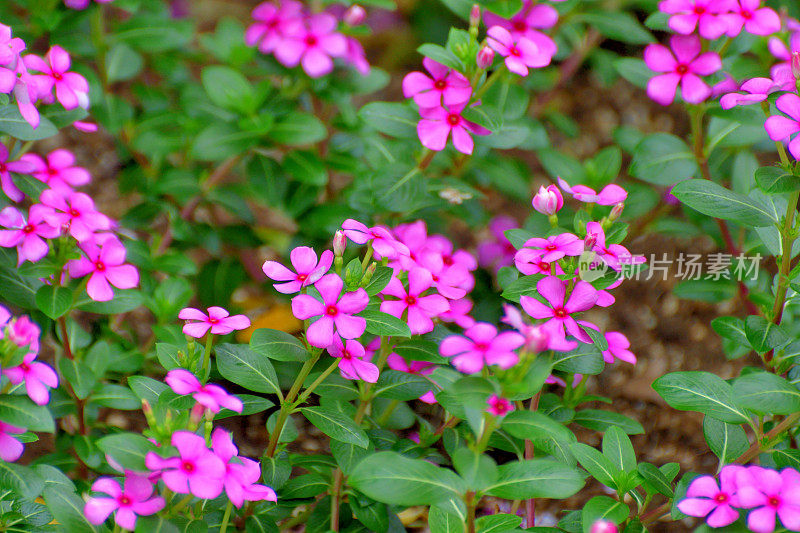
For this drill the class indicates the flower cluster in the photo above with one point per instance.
(83, 4)
(764, 492)
(312, 40)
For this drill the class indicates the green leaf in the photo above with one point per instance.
(275, 470)
(67, 509)
(441, 55)
(277, 345)
(731, 328)
(477, 470)
(441, 521)
(397, 480)
(618, 448)
(21, 480)
(116, 397)
(543, 431)
(127, 449)
(618, 25)
(306, 167)
(20, 411)
(716, 201)
(17, 290)
(124, 301)
(663, 159)
(603, 508)
(763, 335)
(585, 359)
(598, 465)
(401, 386)
(393, 119)
(600, 420)
(247, 368)
(384, 324)
(499, 523)
(700, 391)
(419, 349)
(251, 405)
(53, 301)
(536, 478)
(228, 88)
(12, 123)
(766, 393)
(727, 441)
(221, 140)
(634, 70)
(79, 375)
(347, 455)
(150, 32)
(336, 425)
(122, 63)
(298, 129)
(775, 180)
(656, 478)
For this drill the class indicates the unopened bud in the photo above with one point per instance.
(368, 274)
(354, 15)
(796, 65)
(474, 16)
(590, 241)
(196, 415)
(339, 243)
(148, 413)
(604, 526)
(548, 201)
(616, 211)
(485, 57)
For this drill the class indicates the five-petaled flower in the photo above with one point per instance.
(218, 320)
(336, 310)
(683, 65)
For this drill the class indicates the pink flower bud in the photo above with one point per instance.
(604, 526)
(590, 241)
(474, 16)
(616, 211)
(796, 65)
(548, 201)
(536, 339)
(485, 57)
(354, 15)
(498, 406)
(339, 243)
(196, 414)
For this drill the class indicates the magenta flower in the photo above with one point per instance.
(83, 4)
(332, 311)
(356, 56)
(559, 312)
(459, 313)
(6, 167)
(37, 377)
(757, 90)
(536, 338)
(604, 526)
(27, 235)
(105, 261)
(72, 89)
(438, 123)
(212, 397)
(383, 242)
(418, 368)
(58, 171)
(74, 210)
(353, 361)
(618, 347)
(482, 346)
(134, 499)
(304, 261)
(497, 251)
(716, 502)
(769, 493)
(520, 53)
(611, 194)
(23, 332)
(450, 256)
(217, 320)
(780, 128)
(614, 255)
(498, 406)
(10, 448)
(684, 67)
(749, 14)
(420, 309)
(444, 87)
(14, 77)
(548, 201)
(703, 15)
(527, 22)
(197, 470)
(271, 22)
(550, 249)
(312, 44)
(241, 474)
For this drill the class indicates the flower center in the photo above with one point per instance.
(187, 466)
(447, 260)
(560, 312)
(331, 310)
(453, 119)
(519, 25)
(213, 320)
(28, 228)
(699, 10)
(440, 84)
(302, 277)
(550, 247)
(774, 502)
(411, 300)
(481, 346)
(514, 51)
(57, 76)
(99, 266)
(311, 40)
(544, 267)
(721, 497)
(746, 14)
(74, 213)
(124, 500)
(25, 367)
(682, 69)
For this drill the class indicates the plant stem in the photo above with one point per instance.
(181, 504)
(491, 80)
(336, 497)
(469, 499)
(388, 412)
(224, 527)
(306, 393)
(207, 356)
(530, 505)
(62, 323)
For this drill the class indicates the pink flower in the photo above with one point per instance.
(356, 56)
(482, 346)
(611, 194)
(780, 128)
(498, 406)
(217, 320)
(527, 22)
(27, 235)
(484, 58)
(197, 470)
(37, 377)
(10, 448)
(418, 368)
(383, 242)
(332, 311)
(548, 201)
(304, 261)
(497, 251)
(701, 14)
(74, 210)
(72, 89)
(749, 14)
(420, 309)
(271, 22)
(684, 67)
(550, 249)
(83, 4)
(604, 526)
(104, 260)
(716, 502)
(459, 313)
(757, 90)
(536, 338)
(438, 123)
(58, 171)
(520, 53)
(313, 44)
(768, 493)
(212, 397)
(444, 87)
(618, 347)
(353, 362)
(6, 167)
(23, 332)
(241, 474)
(614, 255)
(136, 498)
(559, 312)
